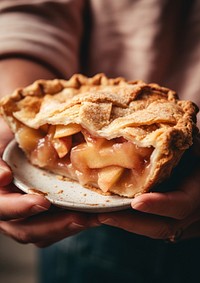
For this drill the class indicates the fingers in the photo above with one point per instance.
(48, 228)
(152, 226)
(5, 174)
(73, 225)
(178, 204)
(162, 215)
(5, 134)
(17, 205)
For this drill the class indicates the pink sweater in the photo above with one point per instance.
(156, 41)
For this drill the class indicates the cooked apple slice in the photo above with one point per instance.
(78, 156)
(108, 176)
(51, 132)
(145, 152)
(117, 154)
(66, 130)
(62, 145)
(28, 138)
(94, 141)
(44, 154)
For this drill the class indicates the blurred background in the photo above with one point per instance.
(18, 263)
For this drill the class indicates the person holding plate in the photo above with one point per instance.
(153, 41)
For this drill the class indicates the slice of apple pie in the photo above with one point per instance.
(114, 135)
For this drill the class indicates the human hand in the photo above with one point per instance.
(29, 218)
(44, 229)
(168, 215)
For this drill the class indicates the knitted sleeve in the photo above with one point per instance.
(43, 30)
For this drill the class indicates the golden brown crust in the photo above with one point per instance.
(147, 114)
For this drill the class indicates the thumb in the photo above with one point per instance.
(5, 135)
(5, 174)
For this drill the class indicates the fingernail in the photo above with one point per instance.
(108, 221)
(141, 206)
(4, 172)
(76, 226)
(4, 169)
(38, 209)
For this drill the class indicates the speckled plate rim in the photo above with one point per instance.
(62, 193)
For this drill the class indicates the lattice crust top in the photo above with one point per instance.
(146, 114)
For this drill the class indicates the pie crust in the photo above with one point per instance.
(113, 135)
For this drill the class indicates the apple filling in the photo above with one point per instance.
(116, 165)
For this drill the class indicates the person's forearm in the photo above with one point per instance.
(17, 72)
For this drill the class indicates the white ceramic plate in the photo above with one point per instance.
(65, 194)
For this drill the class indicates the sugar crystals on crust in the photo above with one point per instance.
(115, 135)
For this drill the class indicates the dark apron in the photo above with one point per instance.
(107, 254)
